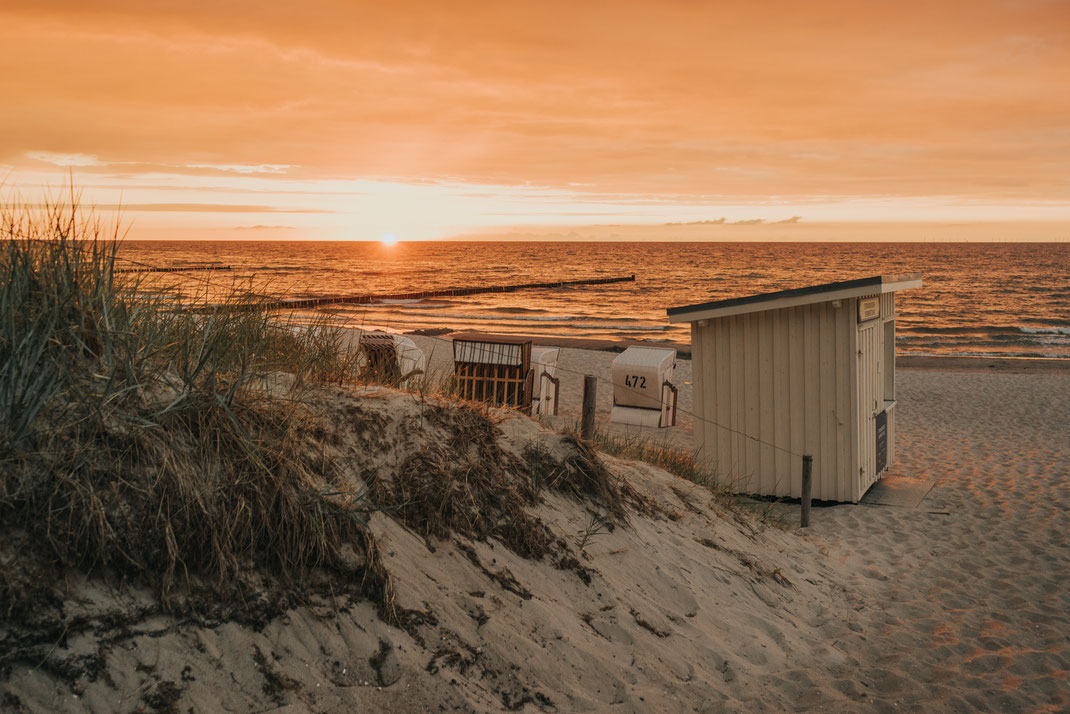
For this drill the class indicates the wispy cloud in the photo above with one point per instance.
(670, 104)
(64, 160)
(244, 169)
(189, 208)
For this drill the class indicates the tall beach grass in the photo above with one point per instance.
(158, 443)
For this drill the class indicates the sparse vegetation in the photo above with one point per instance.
(597, 524)
(464, 483)
(681, 462)
(156, 443)
(576, 471)
(686, 464)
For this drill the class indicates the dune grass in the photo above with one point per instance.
(686, 464)
(157, 443)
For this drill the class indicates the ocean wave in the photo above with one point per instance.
(521, 317)
(991, 341)
(538, 327)
(968, 353)
(971, 330)
(1045, 330)
(985, 335)
(515, 310)
(460, 316)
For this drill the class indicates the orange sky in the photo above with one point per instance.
(346, 119)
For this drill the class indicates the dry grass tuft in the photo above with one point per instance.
(573, 468)
(686, 464)
(681, 462)
(462, 482)
(146, 442)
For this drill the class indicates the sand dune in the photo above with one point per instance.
(688, 607)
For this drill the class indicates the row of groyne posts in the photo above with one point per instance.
(263, 303)
(590, 382)
(446, 292)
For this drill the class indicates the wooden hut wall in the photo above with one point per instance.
(787, 377)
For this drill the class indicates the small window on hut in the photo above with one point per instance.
(889, 361)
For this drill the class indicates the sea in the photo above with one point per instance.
(978, 299)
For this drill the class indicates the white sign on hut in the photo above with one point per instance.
(805, 371)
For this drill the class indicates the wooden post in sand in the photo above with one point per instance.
(590, 383)
(807, 483)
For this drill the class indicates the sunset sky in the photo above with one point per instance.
(348, 120)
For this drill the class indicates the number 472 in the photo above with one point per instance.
(637, 381)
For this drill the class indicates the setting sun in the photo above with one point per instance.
(389, 240)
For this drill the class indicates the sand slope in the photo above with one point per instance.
(688, 608)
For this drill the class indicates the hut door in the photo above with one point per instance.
(868, 391)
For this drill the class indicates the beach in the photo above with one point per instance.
(967, 598)
(310, 398)
(971, 607)
(959, 604)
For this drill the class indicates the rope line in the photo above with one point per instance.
(635, 391)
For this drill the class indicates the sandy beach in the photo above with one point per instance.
(959, 604)
(229, 483)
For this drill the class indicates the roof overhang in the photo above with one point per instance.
(874, 285)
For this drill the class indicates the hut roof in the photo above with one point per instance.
(798, 296)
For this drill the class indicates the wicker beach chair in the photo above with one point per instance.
(495, 369)
(391, 359)
(643, 392)
(546, 386)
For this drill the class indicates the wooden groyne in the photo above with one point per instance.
(172, 270)
(302, 303)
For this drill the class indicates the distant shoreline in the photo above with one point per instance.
(930, 363)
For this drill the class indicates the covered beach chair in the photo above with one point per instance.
(391, 359)
(545, 384)
(493, 368)
(643, 392)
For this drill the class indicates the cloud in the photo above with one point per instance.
(244, 169)
(191, 208)
(744, 100)
(716, 222)
(64, 160)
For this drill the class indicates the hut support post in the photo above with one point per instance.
(807, 484)
(590, 383)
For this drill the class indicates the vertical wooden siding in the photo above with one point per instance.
(887, 306)
(870, 393)
(787, 377)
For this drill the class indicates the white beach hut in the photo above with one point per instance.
(643, 393)
(806, 371)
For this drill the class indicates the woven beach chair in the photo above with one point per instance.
(495, 369)
(391, 359)
(643, 392)
(546, 386)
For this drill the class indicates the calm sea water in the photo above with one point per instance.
(1005, 299)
